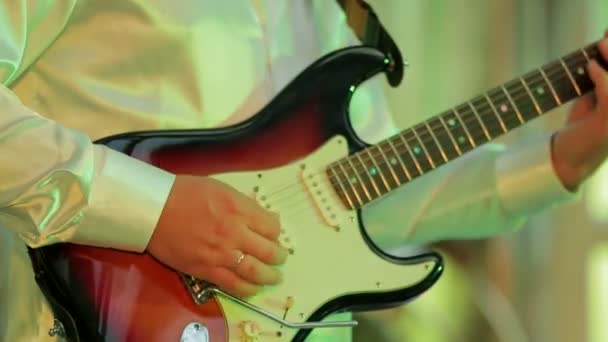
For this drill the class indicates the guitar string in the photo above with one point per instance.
(433, 154)
(533, 77)
(297, 205)
(542, 103)
(374, 195)
(470, 119)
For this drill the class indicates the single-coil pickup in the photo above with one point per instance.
(320, 190)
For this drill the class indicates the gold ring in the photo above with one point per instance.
(239, 260)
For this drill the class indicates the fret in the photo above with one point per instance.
(585, 54)
(521, 99)
(558, 101)
(557, 75)
(371, 182)
(450, 135)
(481, 108)
(343, 192)
(464, 127)
(577, 64)
(390, 164)
(513, 105)
(398, 158)
(436, 141)
(541, 91)
(442, 138)
(500, 120)
(409, 150)
(350, 182)
(380, 172)
(504, 108)
(355, 179)
(536, 106)
(424, 149)
(574, 84)
(483, 126)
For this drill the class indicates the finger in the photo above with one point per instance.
(581, 107)
(262, 221)
(254, 271)
(230, 282)
(269, 252)
(603, 47)
(269, 227)
(600, 79)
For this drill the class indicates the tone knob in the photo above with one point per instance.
(250, 330)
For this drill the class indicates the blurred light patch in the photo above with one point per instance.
(597, 293)
(597, 195)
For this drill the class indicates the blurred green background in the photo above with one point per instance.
(548, 282)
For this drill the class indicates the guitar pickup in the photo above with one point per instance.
(323, 196)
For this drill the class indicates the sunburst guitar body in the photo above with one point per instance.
(279, 157)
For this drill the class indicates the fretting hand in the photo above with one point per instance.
(582, 145)
(209, 230)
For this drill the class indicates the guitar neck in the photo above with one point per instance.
(372, 172)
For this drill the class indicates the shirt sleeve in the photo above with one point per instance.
(57, 186)
(490, 191)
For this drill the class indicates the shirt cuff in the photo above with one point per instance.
(526, 180)
(126, 200)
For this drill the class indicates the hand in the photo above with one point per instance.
(581, 147)
(205, 227)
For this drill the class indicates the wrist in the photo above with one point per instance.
(567, 174)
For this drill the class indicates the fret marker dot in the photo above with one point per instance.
(352, 88)
(373, 171)
(353, 180)
(394, 161)
(504, 108)
(452, 122)
(461, 139)
(417, 150)
(580, 71)
(540, 90)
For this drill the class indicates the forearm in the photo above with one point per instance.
(56, 185)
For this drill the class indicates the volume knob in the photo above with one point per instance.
(250, 330)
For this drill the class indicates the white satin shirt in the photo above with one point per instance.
(77, 70)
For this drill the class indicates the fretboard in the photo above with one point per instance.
(375, 171)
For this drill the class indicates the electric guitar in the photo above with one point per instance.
(319, 176)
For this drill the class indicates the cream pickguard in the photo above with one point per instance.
(330, 258)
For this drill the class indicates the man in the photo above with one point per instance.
(103, 67)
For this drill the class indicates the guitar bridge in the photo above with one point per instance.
(200, 290)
